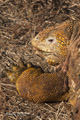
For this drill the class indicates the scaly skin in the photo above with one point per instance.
(36, 86)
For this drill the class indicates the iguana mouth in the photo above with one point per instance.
(39, 51)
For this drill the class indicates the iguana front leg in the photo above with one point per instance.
(35, 85)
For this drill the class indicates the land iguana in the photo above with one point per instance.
(54, 45)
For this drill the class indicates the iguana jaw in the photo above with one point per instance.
(50, 57)
(39, 51)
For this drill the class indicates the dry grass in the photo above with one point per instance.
(20, 20)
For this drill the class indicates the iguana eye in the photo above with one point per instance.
(51, 40)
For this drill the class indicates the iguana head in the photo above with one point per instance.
(52, 43)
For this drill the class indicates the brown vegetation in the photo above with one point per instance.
(20, 20)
